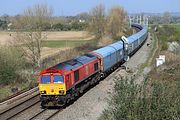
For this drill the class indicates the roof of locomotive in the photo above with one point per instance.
(76, 62)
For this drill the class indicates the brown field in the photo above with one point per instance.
(6, 37)
(70, 35)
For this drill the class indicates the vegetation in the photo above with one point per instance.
(167, 33)
(11, 62)
(77, 26)
(33, 20)
(116, 22)
(66, 43)
(15, 72)
(177, 26)
(112, 25)
(98, 21)
(151, 100)
(3, 24)
(166, 18)
(168, 71)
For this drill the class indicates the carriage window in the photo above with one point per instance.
(76, 75)
(95, 66)
(58, 79)
(45, 79)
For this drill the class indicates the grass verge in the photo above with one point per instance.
(151, 54)
(177, 26)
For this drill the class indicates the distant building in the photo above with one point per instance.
(160, 60)
(82, 21)
(9, 26)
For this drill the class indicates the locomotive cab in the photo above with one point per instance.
(52, 84)
(52, 87)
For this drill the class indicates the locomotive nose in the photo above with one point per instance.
(52, 89)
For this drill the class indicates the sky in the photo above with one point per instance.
(74, 7)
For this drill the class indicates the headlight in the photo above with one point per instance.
(61, 91)
(43, 92)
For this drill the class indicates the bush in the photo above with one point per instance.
(11, 62)
(153, 100)
(168, 34)
(164, 45)
(70, 26)
(3, 25)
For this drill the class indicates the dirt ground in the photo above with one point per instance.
(5, 37)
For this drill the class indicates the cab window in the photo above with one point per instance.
(95, 66)
(45, 79)
(76, 75)
(58, 79)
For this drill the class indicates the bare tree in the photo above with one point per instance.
(32, 22)
(97, 22)
(84, 16)
(116, 21)
(166, 18)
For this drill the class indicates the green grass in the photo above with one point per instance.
(151, 54)
(66, 43)
(177, 26)
(4, 92)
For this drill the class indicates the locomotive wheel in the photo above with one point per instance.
(43, 105)
(68, 100)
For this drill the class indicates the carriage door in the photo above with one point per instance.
(68, 81)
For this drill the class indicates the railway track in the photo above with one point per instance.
(17, 109)
(46, 114)
(36, 115)
(19, 95)
(54, 114)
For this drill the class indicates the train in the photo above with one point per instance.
(65, 81)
